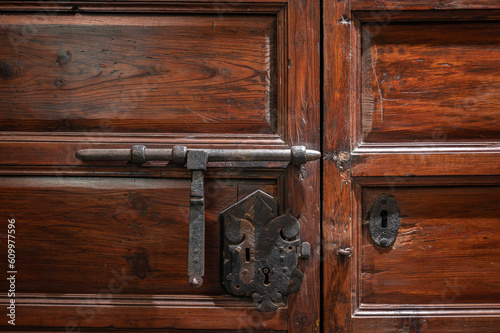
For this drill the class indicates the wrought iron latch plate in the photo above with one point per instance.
(196, 160)
(260, 251)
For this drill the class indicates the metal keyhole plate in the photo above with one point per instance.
(384, 220)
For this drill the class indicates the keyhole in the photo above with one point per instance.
(383, 215)
(266, 272)
(247, 254)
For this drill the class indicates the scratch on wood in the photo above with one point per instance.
(381, 102)
(204, 117)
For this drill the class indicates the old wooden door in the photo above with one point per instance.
(412, 115)
(103, 245)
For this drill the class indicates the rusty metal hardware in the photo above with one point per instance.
(384, 220)
(261, 251)
(178, 154)
(196, 160)
(347, 252)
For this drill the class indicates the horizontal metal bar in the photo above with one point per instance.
(230, 155)
(122, 154)
(141, 154)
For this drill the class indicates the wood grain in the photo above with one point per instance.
(214, 315)
(434, 324)
(78, 234)
(83, 238)
(339, 45)
(403, 164)
(146, 6)
(445, 252)
(445, 171)
(397, 5)
(436, 82)
(154, 74)
(301, 184)
(450, 15)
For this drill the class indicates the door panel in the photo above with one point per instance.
(431, 82)
(140, 73)
(103, 245)
(446, 250)
(411, 111)
(89, 230)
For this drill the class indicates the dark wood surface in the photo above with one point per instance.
(89, 230)
(443, 75)
(369, 5)
(150, 74)
(337, 201)
(182, 314)
(445, 253)
(410, 108)
(471, 324)
(159, 73)
(303, 192)
(431, 141)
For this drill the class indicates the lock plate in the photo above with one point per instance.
(384, 220)
(260, 251)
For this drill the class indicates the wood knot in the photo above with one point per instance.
(6, 69)
(59, 82)
(63, 59)
(139, 263)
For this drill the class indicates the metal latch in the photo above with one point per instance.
(196, 160)
(261, 251)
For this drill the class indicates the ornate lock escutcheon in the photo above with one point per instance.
(260, 251)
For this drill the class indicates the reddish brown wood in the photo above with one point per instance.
(471, 324)
(368, 5)
(455, 15)
(118, 238)
(465, 163)
(214, 314)
(150, 74)
(89, 230)
(302, 183)
(448, 184)
(146, 6)
(249, 71)
(337, 196)
(142, 330)
(443, 75)
(445, 252)
(428, 181)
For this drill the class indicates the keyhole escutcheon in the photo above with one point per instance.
(384, 220)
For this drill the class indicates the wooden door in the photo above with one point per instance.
(412, 111)
(103, 246)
